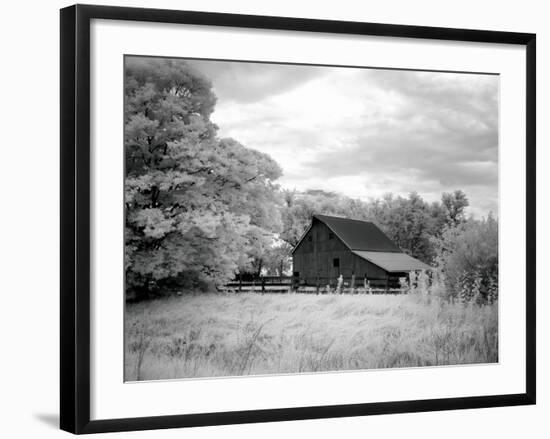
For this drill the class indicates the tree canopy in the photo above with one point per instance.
(197, 207)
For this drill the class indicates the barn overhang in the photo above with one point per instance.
(392, 262)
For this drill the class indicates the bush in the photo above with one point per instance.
(467, 258)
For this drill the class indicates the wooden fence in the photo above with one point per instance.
(287, 284)
(269, 284)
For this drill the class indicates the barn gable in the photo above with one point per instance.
(317, 232)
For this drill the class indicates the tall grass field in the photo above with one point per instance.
(209, 335)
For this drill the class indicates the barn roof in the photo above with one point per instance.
(393, 262)
(359, 235)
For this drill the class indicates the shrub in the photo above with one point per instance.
(467, 259)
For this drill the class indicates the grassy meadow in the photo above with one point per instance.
(207, 335)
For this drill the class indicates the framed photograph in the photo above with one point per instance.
(275, 218)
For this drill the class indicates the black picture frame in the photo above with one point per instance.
(75, 217)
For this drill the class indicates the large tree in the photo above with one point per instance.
(455, 204)
(197, 207)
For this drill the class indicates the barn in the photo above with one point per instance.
(357, 250)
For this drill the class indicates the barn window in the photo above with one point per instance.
(309, 238)
(330, 235)
(336, 262)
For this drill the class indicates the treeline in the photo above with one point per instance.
(200, 209)
(410, 222)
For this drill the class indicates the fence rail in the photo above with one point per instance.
(287, 284)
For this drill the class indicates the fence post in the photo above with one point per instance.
(263, 285)
(240, 282)
(340, 285)
(352, 283)
(295, 282)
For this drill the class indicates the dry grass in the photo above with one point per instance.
(227, 335)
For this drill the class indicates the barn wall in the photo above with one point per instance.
(314, 256)
(363, 268)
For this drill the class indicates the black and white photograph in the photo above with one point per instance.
(265, 219)
(284, 218)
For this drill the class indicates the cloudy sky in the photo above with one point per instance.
(365, 132)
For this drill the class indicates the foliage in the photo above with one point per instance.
(410, 222)
(198, 208)
(277, 259)
(454, 205)
(468, 260)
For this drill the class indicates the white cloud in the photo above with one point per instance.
(365, 132)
